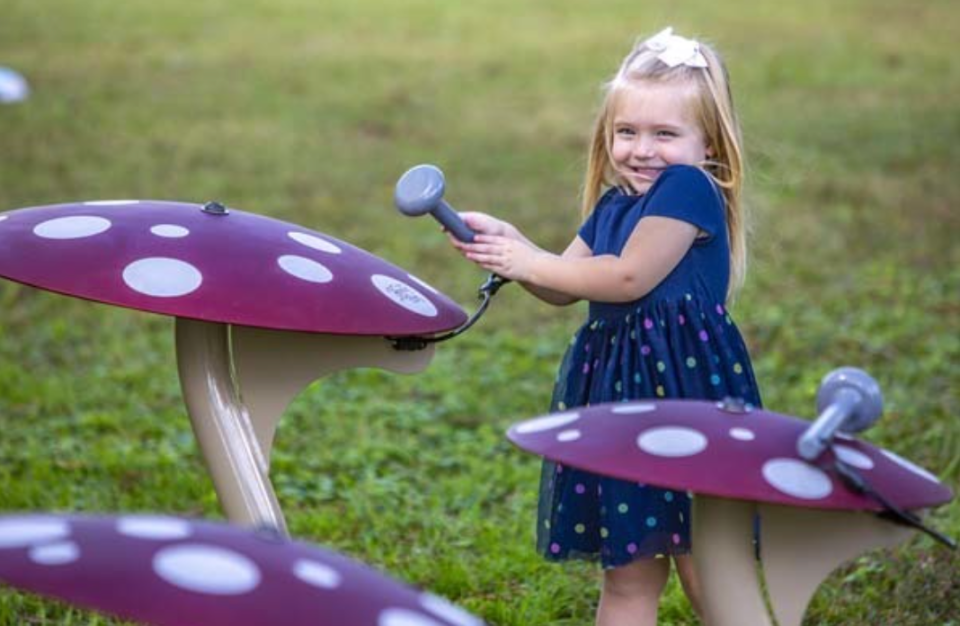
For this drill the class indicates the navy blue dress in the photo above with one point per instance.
(678, 341)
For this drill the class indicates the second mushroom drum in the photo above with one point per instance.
(262, 306)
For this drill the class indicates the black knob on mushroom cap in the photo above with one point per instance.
(215, 208)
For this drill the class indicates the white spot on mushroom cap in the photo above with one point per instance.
(154, 527)
(206, 569)
(798, 479)
(742, 434)
(312, 241)
(422, 283)
(317, 574)
(404, 295)
(569, 435)
(672, 441)
(304, 269)
(853, 457)
(907, 465)
(405, 617)
(3, 217)
(450, 612)
(55, 554)
(548, 422)
(71, 227)
(632, 408)
(111, 202)
(169, 231)
(20, 532)
(162, 277)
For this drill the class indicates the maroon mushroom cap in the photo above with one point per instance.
(724, 451)
(167, 570)
(238, 268)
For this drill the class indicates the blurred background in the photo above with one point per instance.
(309, 111)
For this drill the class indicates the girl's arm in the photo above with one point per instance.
(576, 250)
(654, 249)
(486, 225)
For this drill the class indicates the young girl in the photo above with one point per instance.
(662, 250)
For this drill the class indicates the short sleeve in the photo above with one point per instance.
(588, 231)
(687, 193)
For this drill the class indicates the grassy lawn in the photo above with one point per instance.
(308, 111)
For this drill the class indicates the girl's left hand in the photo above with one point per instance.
(504, 256)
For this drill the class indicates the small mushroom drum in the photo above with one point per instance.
(723, 450)
(743, 463)
(170, 571)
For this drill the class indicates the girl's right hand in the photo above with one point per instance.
(483, 224)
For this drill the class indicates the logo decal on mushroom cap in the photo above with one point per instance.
(404, 295)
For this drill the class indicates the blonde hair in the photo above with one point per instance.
(713, 108)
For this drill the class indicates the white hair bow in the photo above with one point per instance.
(676, 50)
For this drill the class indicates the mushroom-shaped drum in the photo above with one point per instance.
(263, 307)
(738, 461)
(217, 265)
(169, 571)
(724, 450)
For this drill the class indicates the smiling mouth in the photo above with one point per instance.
(644, 172)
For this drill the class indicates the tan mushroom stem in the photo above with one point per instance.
(800, 547)
(237, 381)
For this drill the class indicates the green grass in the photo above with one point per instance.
(308, 111)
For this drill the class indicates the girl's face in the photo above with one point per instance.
(654, 127)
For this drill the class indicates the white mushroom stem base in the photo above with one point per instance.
(799, 547)
(237, 381)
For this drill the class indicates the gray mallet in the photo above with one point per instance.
(420, 190)
(849, 401)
